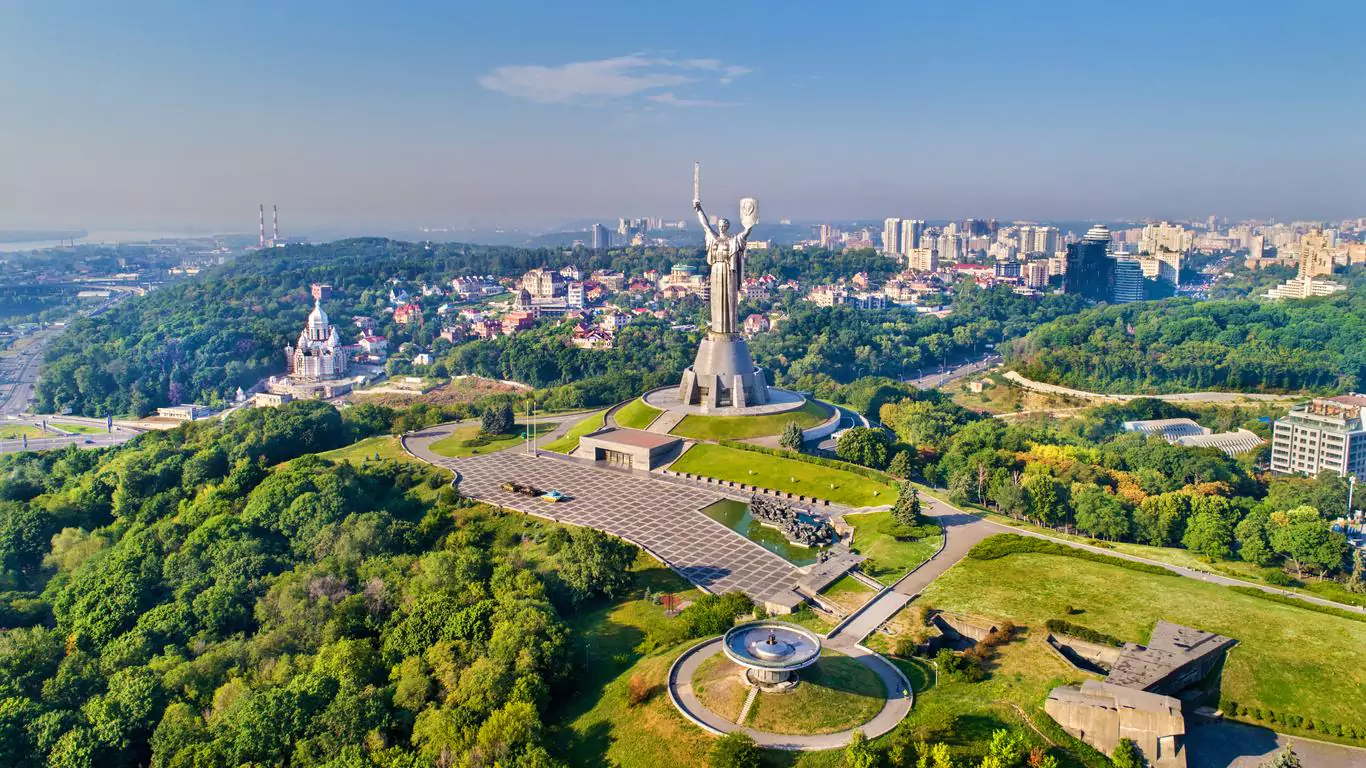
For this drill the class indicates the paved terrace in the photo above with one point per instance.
(661, 517)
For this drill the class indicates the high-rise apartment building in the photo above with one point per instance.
(1128, 276)
(1316, 254)
(827, 236)
(922, 260)
(601, 239)
(891, 237)
(1090, 270)
(1036, 274)
(912, 232)
(1322, 434)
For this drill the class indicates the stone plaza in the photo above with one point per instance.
(661, 517)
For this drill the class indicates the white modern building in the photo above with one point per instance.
(1322, 434)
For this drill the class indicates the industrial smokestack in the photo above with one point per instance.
(262, 240)
(275, 221)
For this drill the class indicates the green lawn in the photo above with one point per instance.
(848, 593)
(798, 477)
(741, 427)
(636, 414)
(465, 441)
(567, 442)
(598, 725)
(1288, 659)
(836, 693)
(873, 538)
(1236, 569)
(718, 686)
(80, 429)
(16, 431)
(383, 446)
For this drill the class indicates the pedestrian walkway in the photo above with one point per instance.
(899, 699)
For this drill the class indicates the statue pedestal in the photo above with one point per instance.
(723, 375)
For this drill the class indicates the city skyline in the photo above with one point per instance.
(353, 119)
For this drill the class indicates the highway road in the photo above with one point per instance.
(19, 374)
(937, 378)
(101, 440)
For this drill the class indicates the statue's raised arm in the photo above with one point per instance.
(702, 218)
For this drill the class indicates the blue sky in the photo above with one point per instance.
(354, 115)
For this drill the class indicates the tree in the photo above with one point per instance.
(859, 753)
(865, 446)
(1253, 544)
(1127, 755)
(1307, 542)
(901, 465)
(1160, 520)
(906, 511)
(1101, 515)
(791, 438)
(1209, 534)
(1009, 497)
(1286, 758)
(497, 420)
(734, 750)
(595, 564)
(1357, 581)
(1046, 505)
(1007, 748)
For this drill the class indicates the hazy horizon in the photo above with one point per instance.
(356, 119)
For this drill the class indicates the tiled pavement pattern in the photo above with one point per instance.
(661, 517)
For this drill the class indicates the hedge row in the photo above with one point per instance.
(1064, 627)
(1003, 544)
(1274, 597)
(1318, 725)
(858, 469)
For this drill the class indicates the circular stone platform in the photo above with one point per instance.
(772, 652)
(779, 401)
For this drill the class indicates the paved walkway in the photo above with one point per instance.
(1177, 397)
(894, 711)
(662, 518)
(962, 531)
(1237, 745)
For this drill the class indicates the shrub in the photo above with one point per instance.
(923, 613)
(1341, 613)
(905, 646)
(734, 750)
(638, 690)
(1281, 579)
(1064, 627)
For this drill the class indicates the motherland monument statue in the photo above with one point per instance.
(723, 374)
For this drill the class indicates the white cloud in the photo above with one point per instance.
(612, 79)
(674, 101)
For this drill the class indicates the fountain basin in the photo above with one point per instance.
(771, 651)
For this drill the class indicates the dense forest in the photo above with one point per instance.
(818, 347)
(1178, 345)
(214, 596)
(200, 340)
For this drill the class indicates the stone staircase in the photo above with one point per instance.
(665, 422)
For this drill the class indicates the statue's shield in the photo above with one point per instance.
(749, 212)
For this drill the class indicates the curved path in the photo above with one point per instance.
(898, 704)
(1018, 379)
